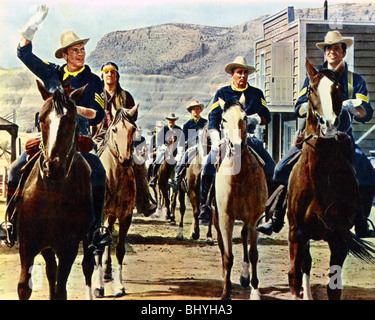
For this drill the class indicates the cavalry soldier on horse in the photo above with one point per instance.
(72, 75)
(167, 136)
(256, 111)
(190, 132)
(355, 95)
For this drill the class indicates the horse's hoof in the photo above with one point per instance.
(195, 236)
(180, 237)
(210, 241)
(99, 292)
(121, 293)
(245, 281)
(173, 223)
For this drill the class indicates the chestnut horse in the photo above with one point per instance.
(190, 186)
(241, 194)
(115, 152)
(323, 191)
(55, 207)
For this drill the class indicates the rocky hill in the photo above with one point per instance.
(166, 66)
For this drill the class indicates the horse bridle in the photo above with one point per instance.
(124, 117)
(331, 75)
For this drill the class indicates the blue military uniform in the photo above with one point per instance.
(190, 140)
(57, 77)
(254, 104)
(354, 88)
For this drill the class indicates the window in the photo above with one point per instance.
(281, 82)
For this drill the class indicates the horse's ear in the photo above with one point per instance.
(133, 110)
(242, 99)
(76, 94)
(310, 69)
(221, 103)
(340, 69)
(43, 91)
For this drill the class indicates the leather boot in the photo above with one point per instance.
(98, 236)
(205, 214)
(276, 223)
(144, 201)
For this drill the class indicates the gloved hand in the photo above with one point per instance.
(215, 139)
(303, 109)
(28, 31)
(254, 119)
(350, 105)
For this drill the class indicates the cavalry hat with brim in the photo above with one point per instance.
(334, 37)
(239, 62)
(171, 116)
(68, 39)
(193, 104)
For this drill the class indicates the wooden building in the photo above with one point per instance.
(280, 57)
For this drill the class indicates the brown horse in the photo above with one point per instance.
(323, 191)
(166, 172)
(190, 186)
(241, 194)
(115, 152)
(55, 207)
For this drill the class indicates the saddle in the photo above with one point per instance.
(9, 226)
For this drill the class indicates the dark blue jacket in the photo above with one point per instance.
(254, 104)
(356, 85)
(52, 75)
(358, 90)
(190, 131)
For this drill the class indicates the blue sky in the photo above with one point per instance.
(94, 19)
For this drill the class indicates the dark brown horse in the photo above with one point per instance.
(323, 191)
(55, 207)
(190, 186)
(241, 194)
(115, 152)
(165, 173)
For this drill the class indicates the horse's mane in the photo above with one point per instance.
(60, 99)
(330, 74)
(232, 103)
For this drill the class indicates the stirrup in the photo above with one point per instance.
(7, 234)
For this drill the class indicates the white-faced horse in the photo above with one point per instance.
(241, 194)
(322, 191)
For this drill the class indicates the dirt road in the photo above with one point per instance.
(158, 266)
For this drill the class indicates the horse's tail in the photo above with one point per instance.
(360, 248)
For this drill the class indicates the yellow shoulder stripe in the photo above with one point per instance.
(99, 100)
(303, 92)
(215, 105)
(363, 97)
(264, 103)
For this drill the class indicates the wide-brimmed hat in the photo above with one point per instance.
(68, 38)
(194, 103)
(334, 37)
(239, 62)
(171, 116)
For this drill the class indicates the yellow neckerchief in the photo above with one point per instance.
(67, 73)
(196, 120)
(234, 88)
